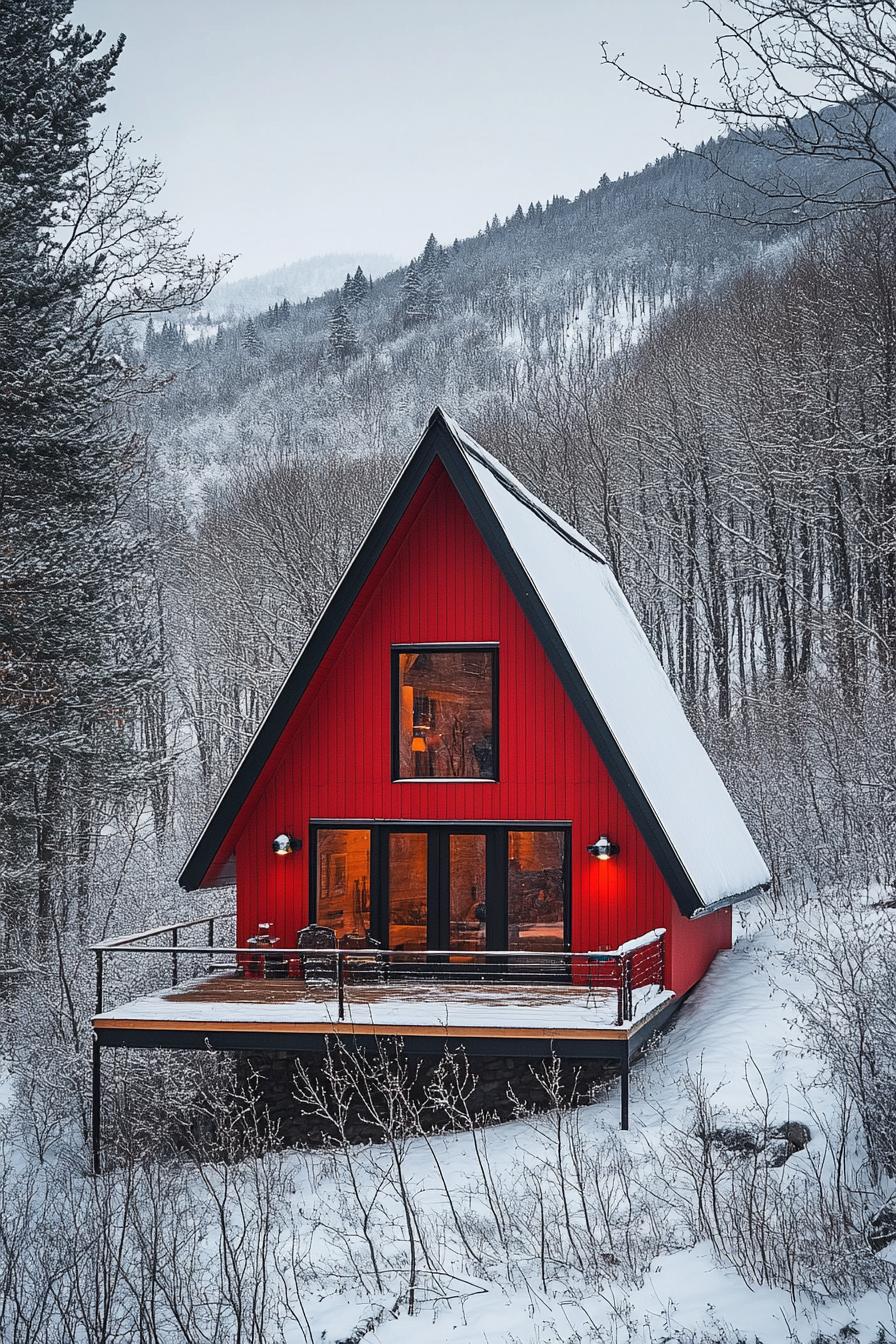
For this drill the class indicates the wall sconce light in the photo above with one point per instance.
(285, 844)
(603, 848)
(418, 742)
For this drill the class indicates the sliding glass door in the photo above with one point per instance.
(462, 889)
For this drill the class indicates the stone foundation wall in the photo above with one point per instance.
(496, 1088)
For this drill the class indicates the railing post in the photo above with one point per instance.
(627, 983)
(340, 985)
(99, 980)
(661, 973)
(620, 991)
(173, 958)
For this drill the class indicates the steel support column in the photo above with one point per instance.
(623, 1091)
(96, 1112)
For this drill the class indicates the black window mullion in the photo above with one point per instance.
(439, 850)
(496, 889)
(379, 880)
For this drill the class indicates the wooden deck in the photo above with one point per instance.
(219, 1004)
(506, 1003)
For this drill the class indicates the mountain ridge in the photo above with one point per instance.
(306, 277)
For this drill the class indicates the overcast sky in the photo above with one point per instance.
(288, 128)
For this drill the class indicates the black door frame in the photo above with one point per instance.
(438, 858)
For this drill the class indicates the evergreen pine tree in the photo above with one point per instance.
(358, 288)
(412, 302)
(430, 254)
(251, 337)
(63, 686)
(342, 343)
(432, 284)
(78, 646)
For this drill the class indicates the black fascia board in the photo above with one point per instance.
(687, 898)
(334, 613)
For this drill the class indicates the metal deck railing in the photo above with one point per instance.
(620, 970)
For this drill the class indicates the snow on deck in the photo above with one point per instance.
(527, 1008)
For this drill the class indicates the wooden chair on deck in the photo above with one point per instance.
(314, 942)
(367, 962)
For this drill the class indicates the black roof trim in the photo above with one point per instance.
(334, 613)
(533, 505)
(731, 900)
(439, 441)
(685, 893)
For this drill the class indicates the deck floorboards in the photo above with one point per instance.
(407, 1007)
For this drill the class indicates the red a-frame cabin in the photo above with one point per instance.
(476, 752)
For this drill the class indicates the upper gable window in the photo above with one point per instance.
(445, 712)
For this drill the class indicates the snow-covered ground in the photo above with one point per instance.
(738, 1036)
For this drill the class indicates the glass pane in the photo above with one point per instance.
(535, 862)
(466, 895)
(445, 710)
(408, 887)
(343, 880)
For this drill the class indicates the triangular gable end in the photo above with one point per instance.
(535, 549)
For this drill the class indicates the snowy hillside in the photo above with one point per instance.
(469, 324)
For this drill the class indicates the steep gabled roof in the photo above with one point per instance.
(600, 653)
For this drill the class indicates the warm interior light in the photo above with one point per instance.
(418, 743)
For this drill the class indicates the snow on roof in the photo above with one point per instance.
(627, 684)
(471, 448)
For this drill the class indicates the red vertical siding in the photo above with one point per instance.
(692, 944)
(438, 582)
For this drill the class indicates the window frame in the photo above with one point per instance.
(477, 646)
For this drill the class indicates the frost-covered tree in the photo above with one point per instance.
(342, 342)
(80, 250)
(412, 300)
(251, 337)
(803, 81)
(431, 273)
(358, 287)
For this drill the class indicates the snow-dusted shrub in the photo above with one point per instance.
(780, 1218)
(848, 949)
(568, 1212)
